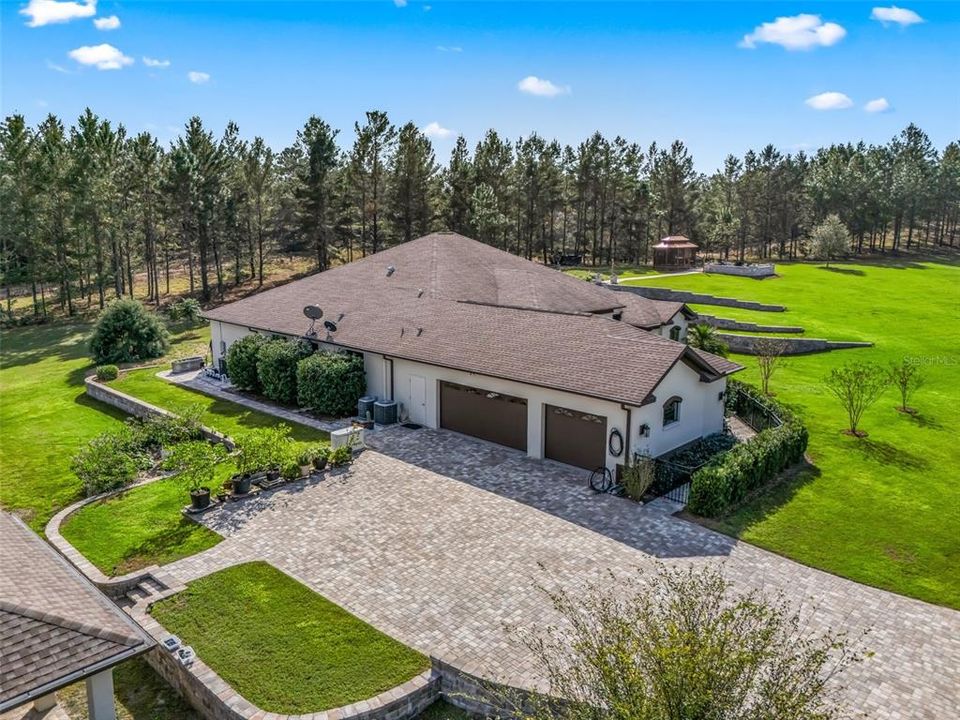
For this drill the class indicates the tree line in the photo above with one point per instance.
(90, 210)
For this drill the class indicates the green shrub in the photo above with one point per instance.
(277, 369)
(242, 362)
(186, 310)
(330, 383)
(638, 476)
(290, 470)
(106, 373)
(109, 461)
(730, 477)
(159, 431)
(341, 455)
(263, 449)
(127, 332)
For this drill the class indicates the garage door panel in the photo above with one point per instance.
(484, 414)
(575, 438)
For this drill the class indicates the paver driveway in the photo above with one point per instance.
(438, 540)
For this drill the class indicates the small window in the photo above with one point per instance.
(675, 332)
(671, 411)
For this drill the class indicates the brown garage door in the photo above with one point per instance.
(487, 415)
(574, 437)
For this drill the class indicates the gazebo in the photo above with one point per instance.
(674, 252)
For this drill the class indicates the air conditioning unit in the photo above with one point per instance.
(365, 407)
(385, 413)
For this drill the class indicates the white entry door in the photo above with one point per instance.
(418, 400)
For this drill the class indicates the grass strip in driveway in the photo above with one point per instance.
(280, 645)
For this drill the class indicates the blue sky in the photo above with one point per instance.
(711, 74)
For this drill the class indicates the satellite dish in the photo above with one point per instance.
(314, 312)
(330, 325)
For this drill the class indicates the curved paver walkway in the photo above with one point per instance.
(438, 539)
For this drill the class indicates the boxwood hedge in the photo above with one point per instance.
(242, 362)
(727, 480)
(277, 369)
(330, 383)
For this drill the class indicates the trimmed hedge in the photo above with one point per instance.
(242, 362)
(277, 369)
(727, 480)
(105, 373)
(330, 383)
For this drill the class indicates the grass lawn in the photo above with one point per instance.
(45, 417)
(141, 527)
(884, 510)
(311, 655)
(227, 417)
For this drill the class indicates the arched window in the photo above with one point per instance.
(671, 410)
(675, 332)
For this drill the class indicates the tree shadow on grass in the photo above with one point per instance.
(925, 421)
(887, 454)
(169, 544)
(843, 270)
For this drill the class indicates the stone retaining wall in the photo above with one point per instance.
(793, 346)
(659, 293)
(728, 324)
(141, 409)
(478, 697)
(214, 699)
(754, 271)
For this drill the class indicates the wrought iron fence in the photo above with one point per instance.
(754, 412)
(671, 480)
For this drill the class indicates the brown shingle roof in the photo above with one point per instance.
(374, 312)
(54, 624)
(648, 314)
(675, 241)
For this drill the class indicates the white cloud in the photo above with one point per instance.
(102, 57)
(532, 85)
(155, 63)
(829, 101)
(47, 12)
(449, 48)
(58, 68)
(893, 14)
(107, 23)
(799, 32)
(198, 78)
(400, 3)
(878, 105)
(436, 130)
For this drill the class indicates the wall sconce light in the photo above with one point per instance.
(644, 430)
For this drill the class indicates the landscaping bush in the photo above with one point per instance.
(127, 332)
(263, 449)
(185, 310)
(729, 478)
(277, 369)
(330, 383)
(109, 461)
(105, 373)
(341, 456)
(159, 431)
(242, 362)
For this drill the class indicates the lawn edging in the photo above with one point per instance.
(141, 409)
(115, 587)
(215, 699)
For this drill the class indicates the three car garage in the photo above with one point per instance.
(570, 436)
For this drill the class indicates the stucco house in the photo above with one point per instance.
(475, 340)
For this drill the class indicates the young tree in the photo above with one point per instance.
(830, 239)
(768, 352)
(857, 386)
(907, 378)
(684, 643)
(704, 337)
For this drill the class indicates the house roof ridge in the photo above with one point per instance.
(76, 626)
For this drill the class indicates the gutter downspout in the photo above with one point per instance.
(629, 411)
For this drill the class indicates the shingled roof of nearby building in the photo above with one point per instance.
(392, 313)
(55, 626)
(649, 314)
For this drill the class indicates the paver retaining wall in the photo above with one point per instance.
(754, 271)
(141, 409)
(478, 697)
(659, 293)
(728, 324)
(792, 346)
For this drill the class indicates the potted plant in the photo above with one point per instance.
(291, 470)
(195, 463)
(341, 455)
(305, 461)
(320, 455)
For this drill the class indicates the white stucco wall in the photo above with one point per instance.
(701, 411)
(677, 320)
